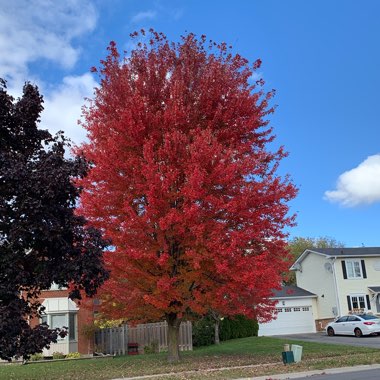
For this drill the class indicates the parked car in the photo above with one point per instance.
(355, 324)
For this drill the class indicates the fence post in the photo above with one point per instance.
(111, 341)
(102, 341)
(123, 339)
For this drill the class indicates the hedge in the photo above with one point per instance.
(230, 328)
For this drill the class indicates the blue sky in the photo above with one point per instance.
(321, 56)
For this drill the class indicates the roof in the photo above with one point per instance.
(338, 253)
(374, 289)
(292, 291)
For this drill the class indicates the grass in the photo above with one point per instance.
(246, 357)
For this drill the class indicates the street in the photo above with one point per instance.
(373, 374)
(321, 337)
(362, 372)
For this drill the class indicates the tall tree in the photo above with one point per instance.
(298, 245)
(41, 239)
(183, 184)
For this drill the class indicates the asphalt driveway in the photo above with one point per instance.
(321, 337)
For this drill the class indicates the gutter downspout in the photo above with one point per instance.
(336, 287)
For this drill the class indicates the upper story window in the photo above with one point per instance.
(353, 269)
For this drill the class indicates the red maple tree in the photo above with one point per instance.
(183, 183)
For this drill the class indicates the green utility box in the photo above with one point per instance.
(297, 352)
(287, 357)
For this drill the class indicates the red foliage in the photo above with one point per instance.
(183, 184)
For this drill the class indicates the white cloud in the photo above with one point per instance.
(255, 76)
(177, 14)
(144, 16)
(358, 186)
(41, 29)
(63, 106)
(46, 30)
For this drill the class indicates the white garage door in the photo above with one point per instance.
(290, 320)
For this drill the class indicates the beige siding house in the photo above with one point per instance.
(344, 280)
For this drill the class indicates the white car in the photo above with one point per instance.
(355, 324)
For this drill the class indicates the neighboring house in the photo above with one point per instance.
(344, 279)
(60, 312)
(294, 310)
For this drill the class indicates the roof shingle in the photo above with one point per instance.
(292, 291)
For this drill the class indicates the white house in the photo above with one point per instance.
(343, 279)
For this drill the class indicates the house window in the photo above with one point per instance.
(358, 302)
(353, 269)
(376, 265)
(55, 286)
(72, 326)
(306, 308)
(57, 321)
(68, 320)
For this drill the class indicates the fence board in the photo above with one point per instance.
(115, 340)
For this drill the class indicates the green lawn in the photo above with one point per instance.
(262, 354)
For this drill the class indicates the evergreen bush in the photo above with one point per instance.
(230, 328)
(203, 332)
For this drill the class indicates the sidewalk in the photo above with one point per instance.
(329, 371)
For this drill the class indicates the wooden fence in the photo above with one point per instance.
(154, 336)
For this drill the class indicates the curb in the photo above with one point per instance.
(283, 376)
(142, 377)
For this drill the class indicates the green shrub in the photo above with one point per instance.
(35, 357)
(229, 328)
(73, 355)
(152, 348)
(203, 332)
(238, 327)
(58, 355)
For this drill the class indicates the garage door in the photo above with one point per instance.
(290, 320)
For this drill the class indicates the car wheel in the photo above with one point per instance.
(330, 331)
(358, 333)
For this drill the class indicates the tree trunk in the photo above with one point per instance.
(216, 330)
(173, 337)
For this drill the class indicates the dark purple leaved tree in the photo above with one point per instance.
(42, 240)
